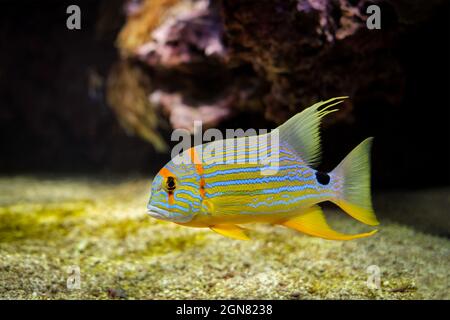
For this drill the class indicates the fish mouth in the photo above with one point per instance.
(158, 213)
(162, 214)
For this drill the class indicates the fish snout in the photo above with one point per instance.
(166, 215)
(157, 213)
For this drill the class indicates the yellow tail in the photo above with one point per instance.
(354, 195)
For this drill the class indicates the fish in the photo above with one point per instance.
(208, 192)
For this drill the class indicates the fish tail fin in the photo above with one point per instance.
(353, 175)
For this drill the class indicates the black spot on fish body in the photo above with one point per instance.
(322, 177)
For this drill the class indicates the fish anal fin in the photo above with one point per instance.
(313, 223)
(230, 231)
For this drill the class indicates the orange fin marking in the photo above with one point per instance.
(199, 169)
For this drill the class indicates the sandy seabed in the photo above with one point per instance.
(50, 227)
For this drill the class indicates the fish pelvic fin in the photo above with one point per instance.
(230, 231)
(313, 222)
(354, 193)
(301, 131)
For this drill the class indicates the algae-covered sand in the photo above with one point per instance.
(50, 227)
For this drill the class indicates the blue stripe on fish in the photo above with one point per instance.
(264, 179)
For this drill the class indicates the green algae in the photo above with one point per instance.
(38, 220)
(100, 226)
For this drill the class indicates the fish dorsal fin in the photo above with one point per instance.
(313, 223)
(230, 231)
(301, 131)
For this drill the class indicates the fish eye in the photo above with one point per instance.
(170, 184)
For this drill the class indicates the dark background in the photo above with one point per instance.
(48, 120)
(52, 122)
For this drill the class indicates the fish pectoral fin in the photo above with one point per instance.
(313, 223)
(230, 231)
(207, 207)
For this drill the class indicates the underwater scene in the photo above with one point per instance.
(225, 150)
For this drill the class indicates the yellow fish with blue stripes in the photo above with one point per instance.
(208, 192)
